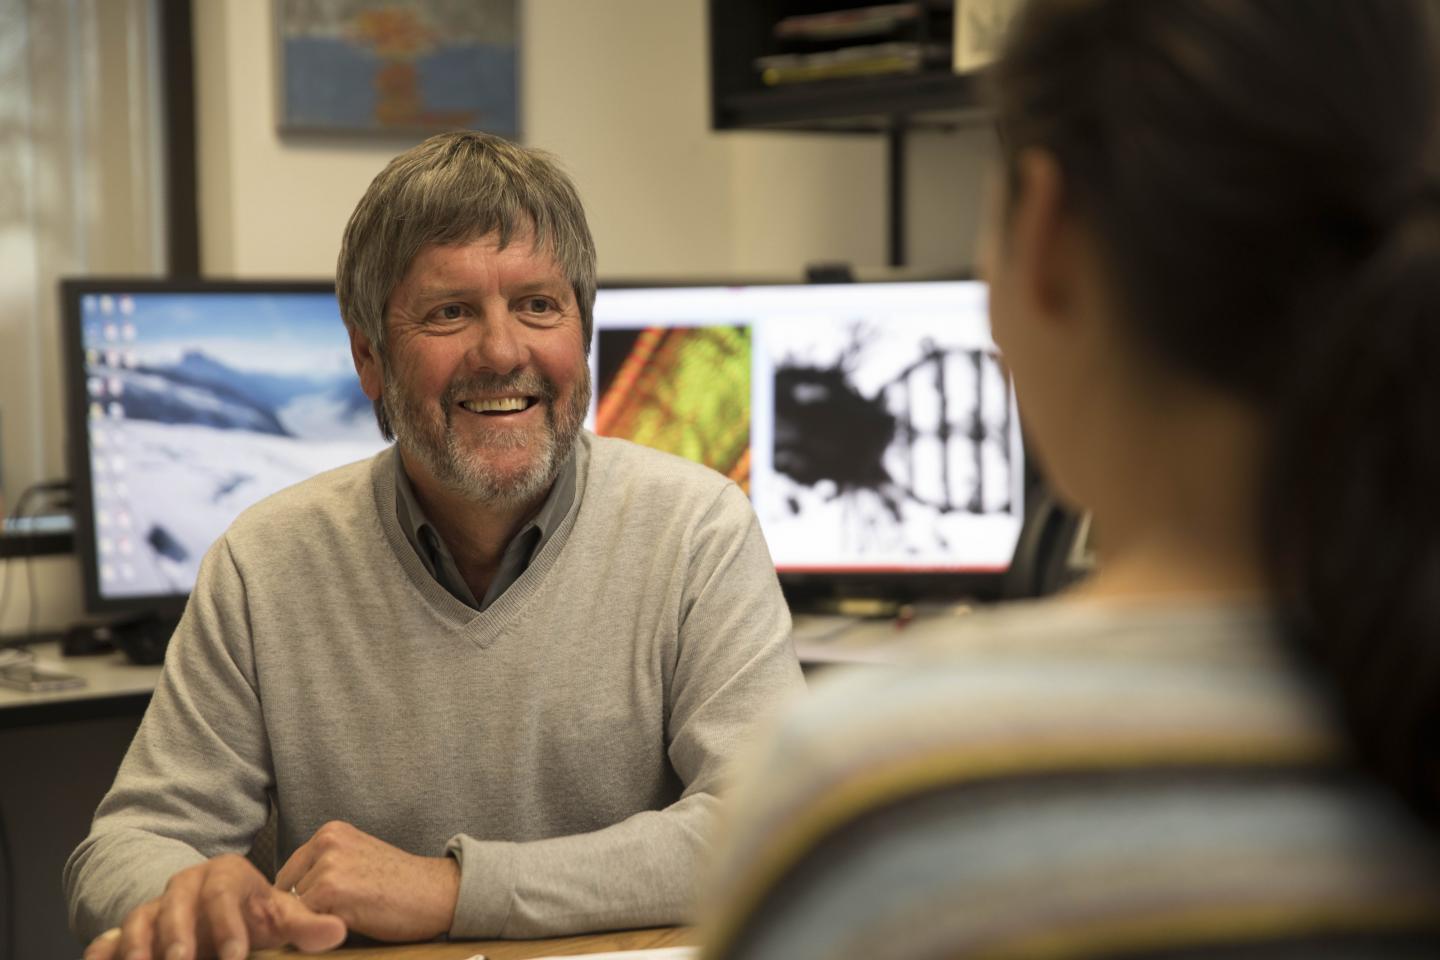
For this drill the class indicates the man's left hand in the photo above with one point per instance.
(378, 890)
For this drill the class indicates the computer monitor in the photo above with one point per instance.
(872, 424)
(189, 402)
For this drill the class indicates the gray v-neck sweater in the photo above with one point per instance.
(566, 744)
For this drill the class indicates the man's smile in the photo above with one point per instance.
(499, 406)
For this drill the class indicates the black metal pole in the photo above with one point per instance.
(895, 174)
(182, 207)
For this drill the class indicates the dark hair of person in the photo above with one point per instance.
(1263, 178)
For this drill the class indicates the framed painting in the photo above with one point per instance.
(405, 67)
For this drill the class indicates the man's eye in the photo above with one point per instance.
(539, 305)
(451, 311)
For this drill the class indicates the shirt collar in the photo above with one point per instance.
(435, 555)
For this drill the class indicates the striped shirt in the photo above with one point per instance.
(1057, 781)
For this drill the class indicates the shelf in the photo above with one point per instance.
(741, 35)
(935, 99)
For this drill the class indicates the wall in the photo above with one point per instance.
(619, 90)
(946, 172)
(267, 208)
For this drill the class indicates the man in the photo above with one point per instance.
(488, 680)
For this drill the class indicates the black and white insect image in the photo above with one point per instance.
(893, 442)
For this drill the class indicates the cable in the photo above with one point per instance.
(5, 581)
(43, 488)
(33, 609)
(15, 514)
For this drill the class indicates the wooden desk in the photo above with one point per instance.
(508, 949)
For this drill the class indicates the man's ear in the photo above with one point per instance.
(1039, 238)
(367, 363)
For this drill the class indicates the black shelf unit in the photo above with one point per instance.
(934, 98)
(741, 32)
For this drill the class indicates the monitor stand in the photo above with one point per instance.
(141, 637)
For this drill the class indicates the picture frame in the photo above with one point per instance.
(397, 67)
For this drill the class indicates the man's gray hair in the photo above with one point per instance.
(455, 188)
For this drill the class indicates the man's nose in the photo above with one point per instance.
(496, 346)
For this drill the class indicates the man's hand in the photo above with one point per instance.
(378, 890)
(223, 908)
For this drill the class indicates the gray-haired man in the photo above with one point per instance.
(490, 678)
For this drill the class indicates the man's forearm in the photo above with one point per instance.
(113, 873)
(639, 872)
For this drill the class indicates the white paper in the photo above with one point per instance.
(655, 953)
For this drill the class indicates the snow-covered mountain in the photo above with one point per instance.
(201, 390)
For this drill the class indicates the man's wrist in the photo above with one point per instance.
(452, 873)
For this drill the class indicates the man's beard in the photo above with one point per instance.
(426, 433)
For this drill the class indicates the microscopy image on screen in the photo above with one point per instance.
(200, 405)
(684, 390)
(892, 442)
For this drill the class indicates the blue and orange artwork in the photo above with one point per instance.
(402, 66)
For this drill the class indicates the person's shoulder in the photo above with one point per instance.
(638, 495)
(625, 457)
(1040, 728)
(621, 465)
(327, 497)
(1017, 677)
(1030, 688)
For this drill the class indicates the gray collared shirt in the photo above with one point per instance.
(440, 562)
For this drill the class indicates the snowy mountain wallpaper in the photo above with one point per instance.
(201, 404)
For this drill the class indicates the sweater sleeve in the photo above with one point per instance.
(735, 665)
(194, 782)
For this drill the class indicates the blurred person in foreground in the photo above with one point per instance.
(489, 680)
(1215, 275)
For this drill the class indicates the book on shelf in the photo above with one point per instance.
(874, 59)
(879, 20)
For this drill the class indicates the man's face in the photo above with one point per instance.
(484, 377)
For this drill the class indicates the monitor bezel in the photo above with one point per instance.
(72, 290)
